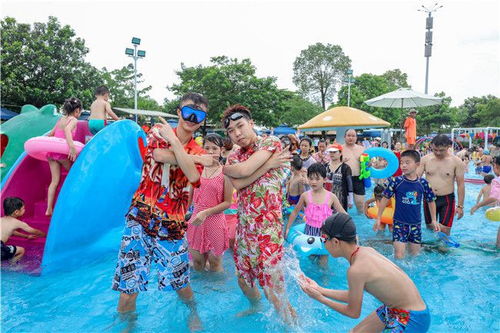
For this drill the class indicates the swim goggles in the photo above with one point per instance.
(191, 114)
(235, 116)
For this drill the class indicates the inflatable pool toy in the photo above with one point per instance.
(303, 244)
(364, 173)
(387, 215)
(38, 147)
(450, 242)
(29, 123)
(87, 197)
(389, 156)
(493, 214)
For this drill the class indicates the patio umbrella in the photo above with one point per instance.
(404, 98)
(340, 119)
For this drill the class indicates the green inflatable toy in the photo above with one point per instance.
(15, 132)
(364, 172)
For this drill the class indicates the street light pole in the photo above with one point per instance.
(135, 54)
(428, 39)
(349, 81)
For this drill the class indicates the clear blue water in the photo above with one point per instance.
(460, 287)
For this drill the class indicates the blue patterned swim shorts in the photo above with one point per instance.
(407, 233)
(139, 250)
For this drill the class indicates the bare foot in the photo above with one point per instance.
(194, 323)
(254, 308)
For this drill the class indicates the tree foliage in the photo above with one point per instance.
(43, 64)
(489, 113)
(436, 118)
(229, 81)
(475, 112)
(319, 70)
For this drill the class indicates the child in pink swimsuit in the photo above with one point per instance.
(207, 232)
(318, 204)
(66, 125)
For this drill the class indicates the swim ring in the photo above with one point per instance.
(387, 215)
(493, 214)
(39, 146)
(304, 244)
(389, 156)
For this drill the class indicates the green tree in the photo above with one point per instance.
(436, 118)
(297, 110)
(121, 85)
(319, 70)
(470, 110)
(43, 64)
(489, 113)
(367, 86)
(230, 81)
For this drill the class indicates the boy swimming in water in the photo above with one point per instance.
(100, 110)
(403, 308)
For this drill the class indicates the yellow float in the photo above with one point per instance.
(493, 214)
(387, 215)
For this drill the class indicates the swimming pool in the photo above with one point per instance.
(461, 289)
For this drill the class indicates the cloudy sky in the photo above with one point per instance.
(376, 35)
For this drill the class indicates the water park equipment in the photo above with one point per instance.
(389, 156)
(39, 146)
(340, 119)
(387, 215)
(29, 123)
(485, 133)
(92, 202)
(303, 244)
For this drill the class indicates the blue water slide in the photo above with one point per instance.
(90, 210)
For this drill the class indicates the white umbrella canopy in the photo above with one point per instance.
(404, 98)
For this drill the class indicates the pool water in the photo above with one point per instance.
(461, 289)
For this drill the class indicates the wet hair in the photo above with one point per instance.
(71, 104)
(214, 138)
(196, 98)
(496, 160)
(296, 163)
(11, 204)
(378, 190)
(488, 179)
(228, 144)
(101, 90)
(441, 140)
(308, 139)
(413, 154)
(236, 108)
(316, 169)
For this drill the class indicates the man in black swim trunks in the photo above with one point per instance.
(442, 169)
(350, 154)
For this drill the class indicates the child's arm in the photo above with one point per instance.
(337, 205)
(381, 207)
(228, 194)
(480, 196)
(24, 226)
(366, 205)
(109, 111)
(295, 212)
(353, 297)
(247, 168)
(483, 203)
(69, 139)
(277, 160)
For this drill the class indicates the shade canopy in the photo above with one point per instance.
(283, 130)
(343, 117)
(404, 98)
(6, 114)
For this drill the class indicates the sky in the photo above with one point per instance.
(376, 35)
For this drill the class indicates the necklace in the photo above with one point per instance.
(213, 173)
(353, 254)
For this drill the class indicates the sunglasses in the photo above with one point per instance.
(235, 116)
(191, 114)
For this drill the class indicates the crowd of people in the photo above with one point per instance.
(179, 218)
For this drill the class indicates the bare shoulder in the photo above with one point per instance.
(456, 160)
(426, 158)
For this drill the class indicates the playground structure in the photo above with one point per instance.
(484, 133)
(92, 198)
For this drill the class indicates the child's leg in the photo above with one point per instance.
(415, 239)
(199, 260)
(55, 172)
(127, 302)
(399, 250)
(415, 248)
(215, 263)
(18, 255)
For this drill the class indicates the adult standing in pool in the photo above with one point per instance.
(155, 224)
(351, 153)
(256, 170)
(442, 170)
